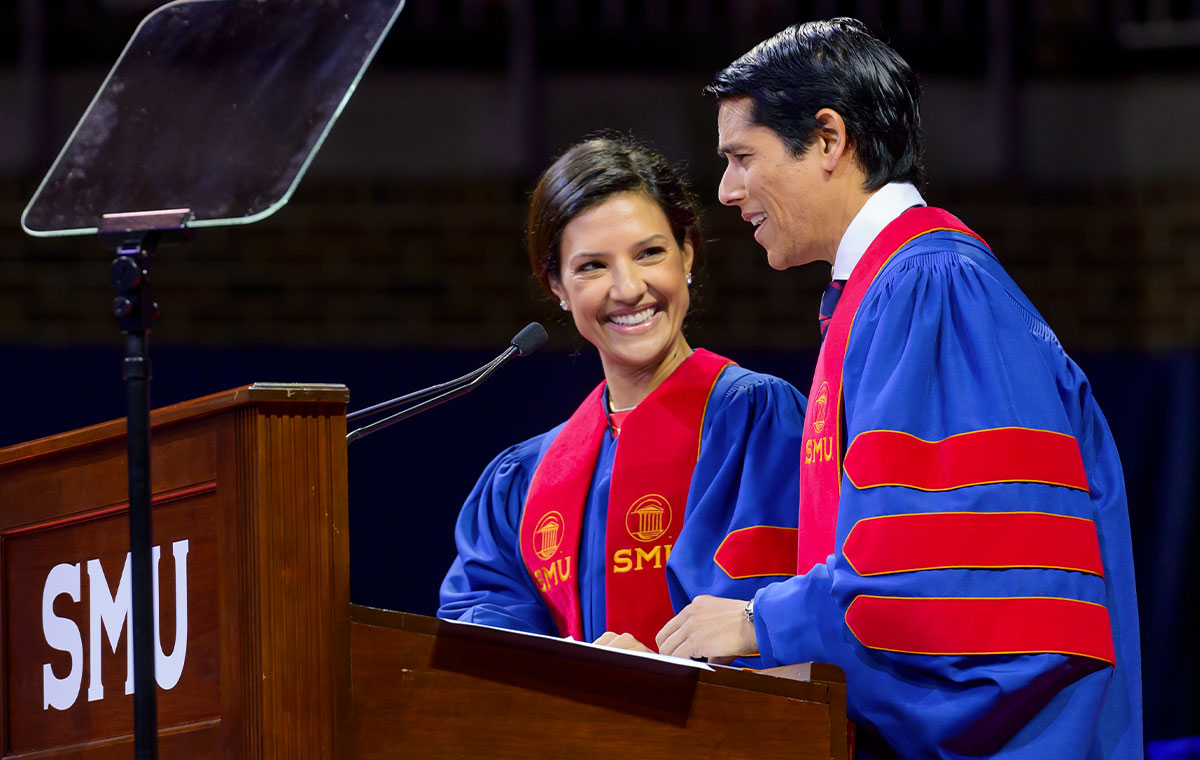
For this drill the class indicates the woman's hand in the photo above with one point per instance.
(621, 641)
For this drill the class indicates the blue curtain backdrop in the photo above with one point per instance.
(407, 483)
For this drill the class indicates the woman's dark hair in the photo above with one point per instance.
(834, 64)
(586, 175)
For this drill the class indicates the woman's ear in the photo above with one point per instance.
(689, 254)
(558, 290)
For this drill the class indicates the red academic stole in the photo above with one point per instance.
(652, 473)
(821, 465)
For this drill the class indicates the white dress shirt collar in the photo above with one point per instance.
(880, 210)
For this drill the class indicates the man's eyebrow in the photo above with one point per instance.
(724, 150)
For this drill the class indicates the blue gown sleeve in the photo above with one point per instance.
(747, 477)
(939, 348)
(488, 583)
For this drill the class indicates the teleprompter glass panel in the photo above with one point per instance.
(215, 105)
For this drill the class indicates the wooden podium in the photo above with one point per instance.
(261, 655)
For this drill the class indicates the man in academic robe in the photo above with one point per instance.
(964, 549)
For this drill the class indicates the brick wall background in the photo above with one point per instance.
(371, 265)
(1064, 132)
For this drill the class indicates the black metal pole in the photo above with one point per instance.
(137, 386)
(136, 310)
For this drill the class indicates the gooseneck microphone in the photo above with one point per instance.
(529, 339)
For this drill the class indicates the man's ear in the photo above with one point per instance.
(831, 139)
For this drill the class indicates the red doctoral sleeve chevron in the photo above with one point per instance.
(758, 551)
(973, 626)
(993, 540)
(1000, 455)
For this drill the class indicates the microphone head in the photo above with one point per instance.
(531, 338)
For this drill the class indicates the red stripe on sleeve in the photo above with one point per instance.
(758, 551)
(1021, 625)
(902, 543)
(1002, 455)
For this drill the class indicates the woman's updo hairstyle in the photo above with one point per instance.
(586, 175)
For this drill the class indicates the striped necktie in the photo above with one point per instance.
(833, 291)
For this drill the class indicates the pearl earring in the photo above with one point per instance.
(689, 278)
(564, 305)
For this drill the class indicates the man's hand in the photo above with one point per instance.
(621, 641)
(709, 627)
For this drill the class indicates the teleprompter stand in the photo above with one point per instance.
(135, 236)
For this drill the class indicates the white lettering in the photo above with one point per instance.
(114, 612)
(63, 635)
(168, 669)
(111, 613)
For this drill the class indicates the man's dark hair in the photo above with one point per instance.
(588, 174)
(834, 64)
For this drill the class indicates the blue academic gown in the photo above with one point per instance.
(944, 343)
(747, 475)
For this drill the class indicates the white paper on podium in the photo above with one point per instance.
(553, 642)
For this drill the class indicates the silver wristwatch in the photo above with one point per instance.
(750, 612)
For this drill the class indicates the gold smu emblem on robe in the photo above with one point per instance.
(547, 535)
(822, 407)
(648, 518)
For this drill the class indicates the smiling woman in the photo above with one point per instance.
(624, 279)
(677, 476)
(613, 233)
